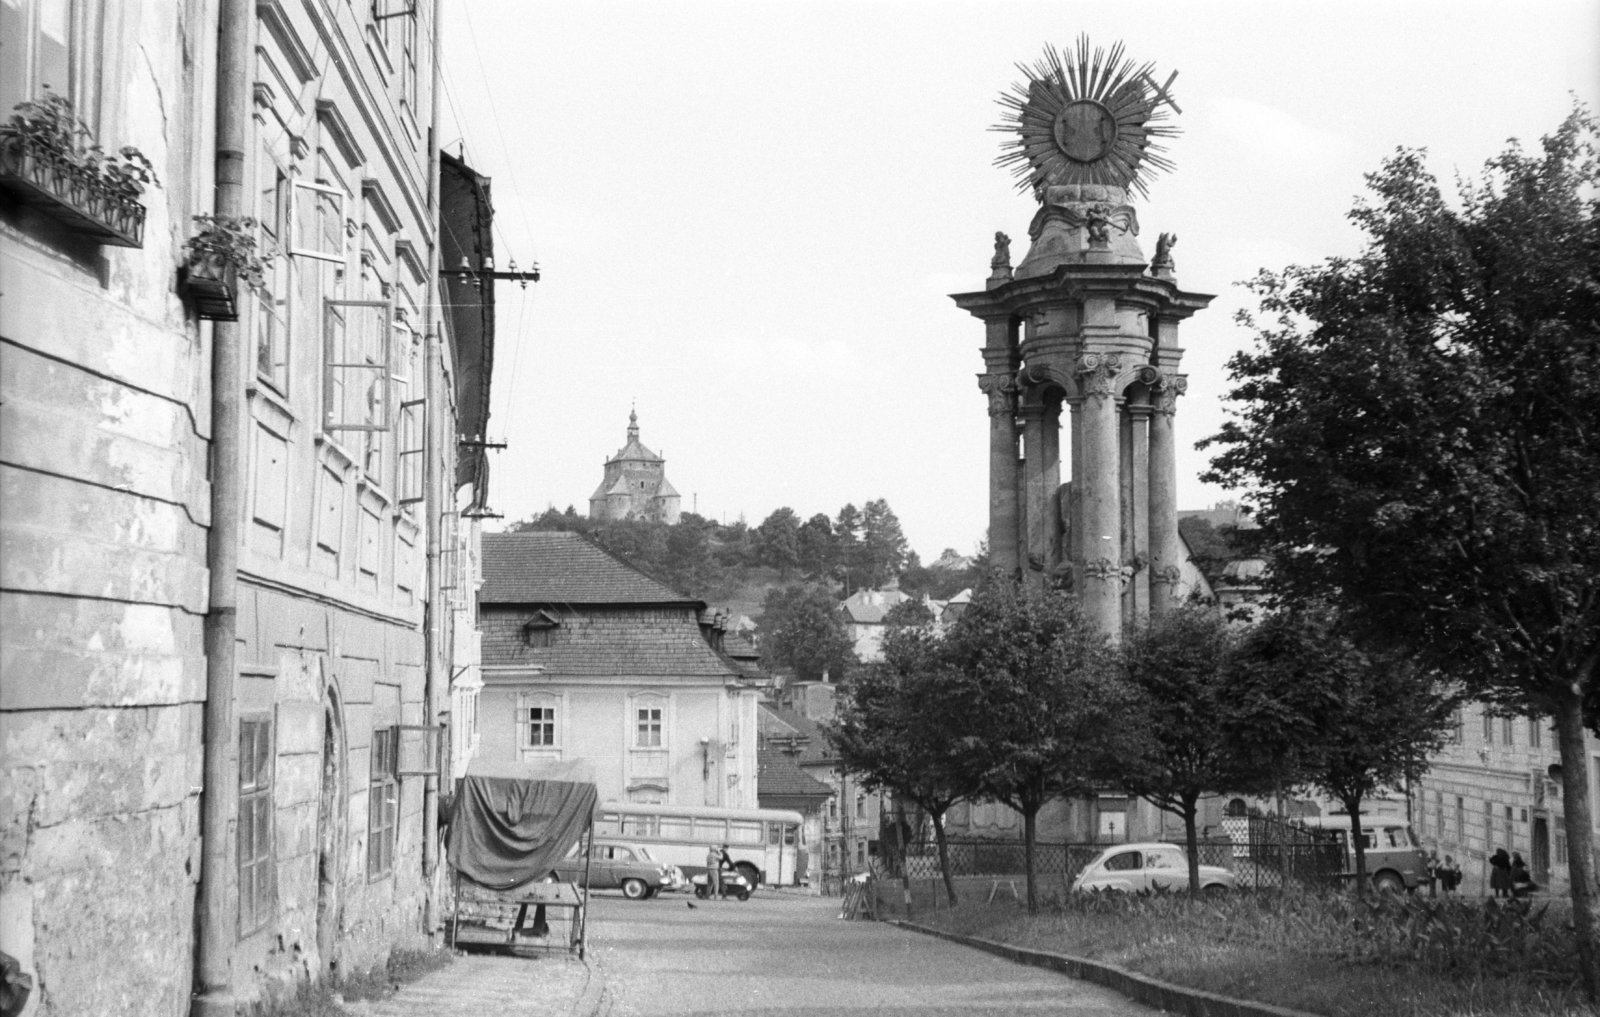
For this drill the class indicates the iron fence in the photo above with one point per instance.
(1262, 853)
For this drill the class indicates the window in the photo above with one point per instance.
(861, 806)
(1510, 833)
(1458, 725)
(272, 304)
(357, 336)
(833, 808)
(744, 831)
(1508, 727)
(319, 231)
(1461, 821)
(541, 726)
(1127, 861)
(1488, 727)
(45, 48)
(1488, 826)
(383, 803)
(256, 868)
(648, 735)
(1535, 734)
(1438, 814)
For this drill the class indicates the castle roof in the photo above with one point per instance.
(634, 450)
(666, 490)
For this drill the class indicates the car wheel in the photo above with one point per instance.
(1389, 882)
(634, 889)
(751, 874)
(1215, 891)
(744, 894)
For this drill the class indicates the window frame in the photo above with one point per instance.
(342, 257)
(383, 803)
(527, 702)
(643, 723)
(84, 23)
(256, 852)
(382, 367)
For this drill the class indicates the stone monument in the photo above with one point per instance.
(1084, 322)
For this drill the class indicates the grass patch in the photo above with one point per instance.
(1332, 954)
(323, 999)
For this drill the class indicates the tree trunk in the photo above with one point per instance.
(1029, 830)
(1359, 843)
(1579, 812)
(1191, 841)
(944, 860)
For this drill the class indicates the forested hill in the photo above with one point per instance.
(735, 565)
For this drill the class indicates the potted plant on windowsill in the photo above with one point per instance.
(219, 257)
(49, 160)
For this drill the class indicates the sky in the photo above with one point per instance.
(749, 216)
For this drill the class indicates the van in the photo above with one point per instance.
(1394, 861)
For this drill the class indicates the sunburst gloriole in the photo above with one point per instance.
(1086, 117)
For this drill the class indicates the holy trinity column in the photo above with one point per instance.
(1085, 327)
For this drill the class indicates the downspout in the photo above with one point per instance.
(437, 669)
(217, 903)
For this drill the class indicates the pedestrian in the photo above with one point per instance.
(1435, 872)
(714, 871)
(1452, 874)
(1522, 883)
(1500, 873)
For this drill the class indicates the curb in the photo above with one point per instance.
(593, 1000)
(1139, 988)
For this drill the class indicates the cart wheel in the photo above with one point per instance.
(744, 894)
(634, 889)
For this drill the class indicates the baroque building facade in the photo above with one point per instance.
(635, 485)
(230, 539)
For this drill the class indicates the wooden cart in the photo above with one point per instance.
(483, 916)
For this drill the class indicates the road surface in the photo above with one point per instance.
(780, 955)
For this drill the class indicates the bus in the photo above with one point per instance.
(761, 842)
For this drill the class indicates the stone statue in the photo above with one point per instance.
(1002, 252)
(1164, 245)
(1097, 221)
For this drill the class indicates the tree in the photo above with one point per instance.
(778, 540)
(815, 547)
(1040, 702)
(1179, 664)
(1420, 430)
(883, 544)
(848, 558)
(1350, 720)
(802, 630)
(895, 729)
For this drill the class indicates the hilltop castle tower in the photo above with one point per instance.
(635, 484)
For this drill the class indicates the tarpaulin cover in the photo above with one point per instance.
(512, 822)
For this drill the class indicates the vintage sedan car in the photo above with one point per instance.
(1133, 868)
(621, 865)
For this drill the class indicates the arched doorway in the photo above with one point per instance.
(331, 819)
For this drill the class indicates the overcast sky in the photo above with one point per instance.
(749, 215)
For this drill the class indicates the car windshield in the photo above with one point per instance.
(644, 853)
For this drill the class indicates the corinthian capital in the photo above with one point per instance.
(1002, 392)
(1166, 394)
(1097, 372)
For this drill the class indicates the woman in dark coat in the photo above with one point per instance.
(1521, 881)
(1500, 873)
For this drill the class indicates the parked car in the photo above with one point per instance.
(1132, 868)
(621, 865)
(1394, 860)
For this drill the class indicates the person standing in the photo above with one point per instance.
(1522, 883)
(714, 871)
(1500, 873)
(1452, 874)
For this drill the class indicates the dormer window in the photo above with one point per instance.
(537, 631)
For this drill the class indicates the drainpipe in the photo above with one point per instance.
(217, 903)
(436, 676)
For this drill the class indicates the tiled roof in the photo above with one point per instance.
(663, 641)
(867, 607)
(563, 568)
(777, 775)
(817, 748)
(635, 450)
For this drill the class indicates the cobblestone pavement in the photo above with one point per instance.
(480, 985)
(779, 955)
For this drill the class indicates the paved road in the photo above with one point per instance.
(788, 955)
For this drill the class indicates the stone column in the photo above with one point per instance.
(1101, 594)
(1073, 511)
(1003, 479)
(1138, 411)
(1166, 550)
(1050, 449)
(1035, 502)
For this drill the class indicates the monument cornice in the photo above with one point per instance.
(1073, 283)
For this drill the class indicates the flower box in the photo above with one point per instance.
(71, 194)
(212, 287)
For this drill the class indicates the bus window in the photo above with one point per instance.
(608, 824)
(638, 826)
(774, 833)
(711, 830)
(675, 828)
(788, 834)
(744, 831)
